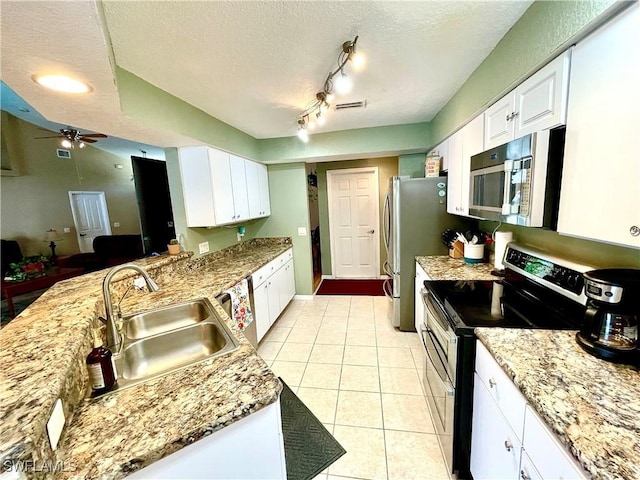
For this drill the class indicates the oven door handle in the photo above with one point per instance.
(439, 316)
(441, 372)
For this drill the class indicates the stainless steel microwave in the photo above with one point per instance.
(519, 182)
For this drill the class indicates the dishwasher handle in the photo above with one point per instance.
(224, 299)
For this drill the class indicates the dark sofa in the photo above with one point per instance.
(108, 250)
(11, 253)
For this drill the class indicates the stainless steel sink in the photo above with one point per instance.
(160, 341)
(160, 320)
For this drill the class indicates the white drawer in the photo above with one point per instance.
(501, 388)
(264, 272)
(545, 451)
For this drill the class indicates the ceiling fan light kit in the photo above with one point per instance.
(316, 110)
(71, 137)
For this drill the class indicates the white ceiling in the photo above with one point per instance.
(254, 65)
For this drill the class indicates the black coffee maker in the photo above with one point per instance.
(610, 328)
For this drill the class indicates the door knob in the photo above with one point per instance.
(507, 445)
(371, 231)
(83, 234)
(634, 230)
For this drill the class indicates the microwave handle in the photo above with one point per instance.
(506, 195)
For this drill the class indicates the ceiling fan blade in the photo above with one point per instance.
(96, 135)
(53, 136)
(87, 140)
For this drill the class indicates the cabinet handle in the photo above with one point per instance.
(524, 475)
(508, 446)
(634, 230)
(512, 116)
(492, 383)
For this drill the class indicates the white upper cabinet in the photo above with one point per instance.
(600, 192)
(443, 151)
(463, 145)
(258, 190)
(539, 103)
(215, 187)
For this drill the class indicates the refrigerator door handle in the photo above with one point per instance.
(386, 222)
(386, 287)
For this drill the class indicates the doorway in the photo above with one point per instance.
(353, 201)
(90, 217)
(154, 203)
(314, 223)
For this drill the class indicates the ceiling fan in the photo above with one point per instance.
(72, 136)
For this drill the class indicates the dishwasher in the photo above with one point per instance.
(224, 299)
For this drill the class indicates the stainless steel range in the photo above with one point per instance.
(538, 291)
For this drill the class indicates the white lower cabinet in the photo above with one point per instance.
(273, 288)
(495, 448)
(508, 438)
(251, 448)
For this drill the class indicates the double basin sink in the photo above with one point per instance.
(160, 341)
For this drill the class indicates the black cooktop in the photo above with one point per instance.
(476, 303)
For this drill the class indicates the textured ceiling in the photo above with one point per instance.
(254, 65)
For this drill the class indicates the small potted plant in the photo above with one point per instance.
(174, 247)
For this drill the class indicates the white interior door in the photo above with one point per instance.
(90, 216)
(354, 222)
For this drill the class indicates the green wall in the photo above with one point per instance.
(411, 165)
(387, 168)
(290, 210)
(348, 144)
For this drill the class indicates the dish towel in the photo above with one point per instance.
(240, 305)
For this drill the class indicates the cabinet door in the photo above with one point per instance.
(443, 151)
(239, 187)
(253, 189)
(263, 182)
(222, 187)
(472, 144)
(197, 189)
(274, 297)
(541, 100)
(286, 284)
(261, 307)
(454, 183)
(546, 453)
(600, 193)
(527, 470)
(498, 128)
(495, 450)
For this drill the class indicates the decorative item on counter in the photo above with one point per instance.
(240, 305)
(102, 370)
(27, 268)
(432, 164)
(173, 246)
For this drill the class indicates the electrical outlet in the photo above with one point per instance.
(116, 224)
(67, 230)
(55, 425)
(204, 247)
(302, 231)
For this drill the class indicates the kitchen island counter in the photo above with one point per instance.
(132, 428)
(592, 406)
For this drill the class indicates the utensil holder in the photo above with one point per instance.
(473, 253)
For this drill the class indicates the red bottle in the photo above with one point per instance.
(102, 372)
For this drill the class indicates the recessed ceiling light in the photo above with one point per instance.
(23, 109)
(62, 83)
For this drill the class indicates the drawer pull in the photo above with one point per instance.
(524, 475)
(492, 383)
(507, 445)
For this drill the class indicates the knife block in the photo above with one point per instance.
(457, 251)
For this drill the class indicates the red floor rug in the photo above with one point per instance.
(351, 287)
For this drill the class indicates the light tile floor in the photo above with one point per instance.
(362, 378)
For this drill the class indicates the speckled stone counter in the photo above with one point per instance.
(591, 405)
(42, 355)
(443, 267)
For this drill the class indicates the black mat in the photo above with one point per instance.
(308, 447)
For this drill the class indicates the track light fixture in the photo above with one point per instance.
(317, 109)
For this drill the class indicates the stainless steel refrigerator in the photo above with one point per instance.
(413, 219)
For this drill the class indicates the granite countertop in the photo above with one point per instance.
(592, 406)
(129, 429)
(443, 267)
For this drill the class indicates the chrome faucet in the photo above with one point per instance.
(114, 339)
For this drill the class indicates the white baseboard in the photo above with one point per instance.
(303, 297)
(327, 277)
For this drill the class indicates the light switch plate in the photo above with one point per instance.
(302, 231)
(67, 230)
(204, 247)
(116, 224)
(55, 425)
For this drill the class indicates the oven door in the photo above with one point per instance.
(439, 389)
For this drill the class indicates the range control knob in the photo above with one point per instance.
(573, 279)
